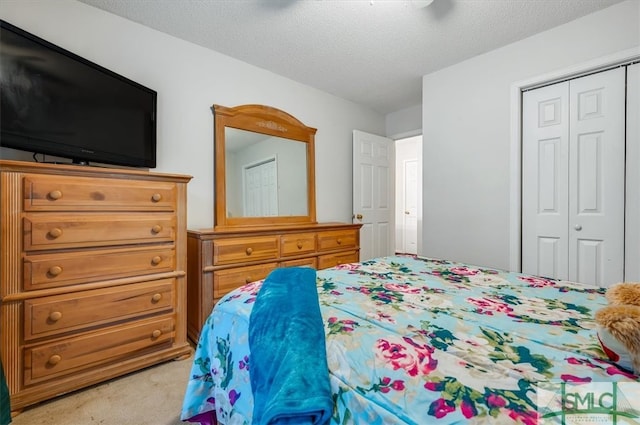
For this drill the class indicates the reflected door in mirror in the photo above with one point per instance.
(266, 175)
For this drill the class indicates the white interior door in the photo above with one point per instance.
(373, 193)
(410, 207)
(573, 179)
(596, 178)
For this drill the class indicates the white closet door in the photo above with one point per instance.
(632, 228)
(545, 181)
(596, 178)
(261, 189)
(573, 179)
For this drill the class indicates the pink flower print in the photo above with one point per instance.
(434, 386)
(244, 363)
(253, 287)
(381, 316)
(583, 362)
(571, 378)
(348, 266)
(525, 417)
(441, 408)
(338, 326)
(494, 400)
(488, 306)
(468, 408)
(463, 271)
(385, 385)
(537, 282)
(233, 397)
(399, 287)
(398, 385)
(413, 358)
(612, 370)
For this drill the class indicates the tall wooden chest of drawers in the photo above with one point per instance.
(93, 280)
(220, 261)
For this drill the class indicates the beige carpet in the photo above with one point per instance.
(152, 396)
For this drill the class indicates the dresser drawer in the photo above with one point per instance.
(84, 352)
(238, 250)
(302, 262)
(54, 231)
(63, 313)
(332, 260)
(337, 239)
(297, 243)
(56, 193)
(53, 270)
(227, 280)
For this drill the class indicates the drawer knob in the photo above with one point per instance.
(249, 251)
(54, 360)
(55, 270)
(156, 260)
(55, 316)
(299, 245)
(248, 279)
(339, 241)
(55, 195)
(156, 297)
(156, 229)
(56, 232)
(156, 197)
(156, 333)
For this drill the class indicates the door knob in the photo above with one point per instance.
(577, 227)
(359, 216)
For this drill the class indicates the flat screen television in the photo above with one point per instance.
(55, 102)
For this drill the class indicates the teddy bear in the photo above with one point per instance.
(618, 326)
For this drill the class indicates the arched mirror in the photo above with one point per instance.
(264, 168)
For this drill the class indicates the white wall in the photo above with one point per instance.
(189, 79)
(466, 131)
(404, 123)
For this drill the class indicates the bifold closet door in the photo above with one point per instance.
(545, 181)
(632, 223)
(573, 179)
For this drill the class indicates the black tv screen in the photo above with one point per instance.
(57, 103)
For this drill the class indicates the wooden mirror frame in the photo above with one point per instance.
(269, 121)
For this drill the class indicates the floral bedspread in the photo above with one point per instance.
(417, 340)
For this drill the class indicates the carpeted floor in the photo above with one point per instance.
(152, 396)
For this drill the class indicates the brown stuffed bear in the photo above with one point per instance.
(618, 326)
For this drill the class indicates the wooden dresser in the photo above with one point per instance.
(220, 261)
(92, 275)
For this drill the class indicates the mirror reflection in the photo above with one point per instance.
(266, 176)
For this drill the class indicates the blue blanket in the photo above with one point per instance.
(289, 373)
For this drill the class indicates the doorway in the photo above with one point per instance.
(408, 202)
(387, 181)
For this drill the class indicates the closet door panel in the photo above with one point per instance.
(632, 220)
(596, 177)
(545, 181)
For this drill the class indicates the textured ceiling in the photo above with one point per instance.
(372, 52)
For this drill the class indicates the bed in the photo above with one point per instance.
(414, 340)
